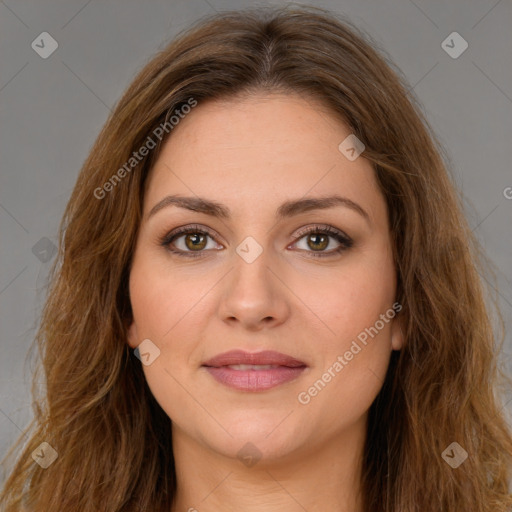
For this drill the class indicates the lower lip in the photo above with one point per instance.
(254, 380)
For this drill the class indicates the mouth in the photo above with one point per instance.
(258, 371)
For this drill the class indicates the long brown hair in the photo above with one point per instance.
(112, 437)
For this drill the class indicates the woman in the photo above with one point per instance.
(264, 297)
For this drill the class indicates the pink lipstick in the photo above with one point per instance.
(258, 371)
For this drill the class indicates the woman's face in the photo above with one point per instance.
(253, 176)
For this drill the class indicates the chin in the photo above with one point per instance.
(252, 450)
(272, 437)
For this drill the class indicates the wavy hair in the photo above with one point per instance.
(96, 410)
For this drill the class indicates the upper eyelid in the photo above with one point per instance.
(331, 230)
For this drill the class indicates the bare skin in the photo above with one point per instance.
(252, 155)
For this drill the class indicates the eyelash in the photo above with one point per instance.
(345, 241)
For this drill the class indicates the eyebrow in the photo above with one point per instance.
(286, 210)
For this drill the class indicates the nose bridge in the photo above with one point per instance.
(251, 278)
(253, 294)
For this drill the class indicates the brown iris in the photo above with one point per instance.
(318, 236)
(195, 241)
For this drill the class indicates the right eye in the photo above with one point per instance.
(190, 241)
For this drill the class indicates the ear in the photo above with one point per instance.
(132, 337)
(397, 335)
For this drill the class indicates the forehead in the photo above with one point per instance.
(260, 150)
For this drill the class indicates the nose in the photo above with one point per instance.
(253, 295)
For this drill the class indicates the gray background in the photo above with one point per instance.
(51, 110)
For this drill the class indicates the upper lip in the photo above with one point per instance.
(266, 357)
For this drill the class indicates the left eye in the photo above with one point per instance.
(318, 240)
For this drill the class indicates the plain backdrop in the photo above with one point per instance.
(52, 109)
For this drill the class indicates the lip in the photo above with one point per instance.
(286, 369)
(261, 358)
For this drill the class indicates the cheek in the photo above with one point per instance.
(353, 342)
(170, 391)
(167, 307)
(163, 300)
(346, 301)
(353, 362)
(163, 312)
